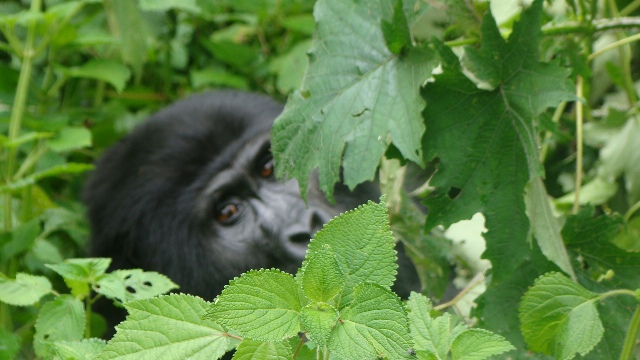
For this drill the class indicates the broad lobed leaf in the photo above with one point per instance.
(357, 97)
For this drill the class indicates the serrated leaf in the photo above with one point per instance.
(552, 304)
(478, 344)
(134, 284)
(433, 335)
(256, 350)
(356, 98)
(322, 278)
(375, 326)
(260, 305)
(85, 349)
(85, 269)
(70, 138)
(580, 332)
(59, 319)
(25, 290)
(318, 320)
(167, 327)
(363, 245)
(486, 140)
(112, 72)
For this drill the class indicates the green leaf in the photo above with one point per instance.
(260, 305)
(70, 138)
(363, 246)
(318, 320)
(134, 284)
(290, 67)
(396, 32)
(69, 168)
(167, 327)
(546, 227)
(433, 335)
(25, 290)
(322, 278)
(59, 319)
(478, 344)
(85, 349)
(486, 140)
(112, 72)
(164, 5)
(357, 97)
(255, 350)
(559, 316)
(375, 326)
(85, 269)
(9, 344)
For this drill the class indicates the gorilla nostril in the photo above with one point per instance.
(317, 222)
(300, 238)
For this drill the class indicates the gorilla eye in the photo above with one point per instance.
(266, 167)
(227, 213)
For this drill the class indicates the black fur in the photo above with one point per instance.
(154, 196)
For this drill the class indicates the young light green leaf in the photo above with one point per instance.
(375, 326)
(553, 310)
(134, 284)
(580, 332)
(363, 246)
(25, 290)
(85, 349)
(85, 270)
(318, 320)
(478, 344)
(357, 97)
(167, 327)
(260, 305)
(433, 335)
(322, 278)
(59, 319)
(70, 138)
(256, 350)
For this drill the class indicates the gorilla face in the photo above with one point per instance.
(191, 194)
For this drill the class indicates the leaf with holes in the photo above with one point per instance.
(360, 93)
(134, 284)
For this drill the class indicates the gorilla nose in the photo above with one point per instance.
(300, 238)
(299, 235)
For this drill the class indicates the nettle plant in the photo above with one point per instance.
(338, 305)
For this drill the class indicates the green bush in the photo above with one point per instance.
(526, 115)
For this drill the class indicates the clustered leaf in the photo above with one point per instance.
(437, 337)
(25, 290)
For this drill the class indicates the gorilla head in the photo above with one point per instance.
(191, 194)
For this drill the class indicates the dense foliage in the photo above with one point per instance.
(527, 115)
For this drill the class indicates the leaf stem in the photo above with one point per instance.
(579, 147)
(632, 334)
(632, 210)
(614, 45)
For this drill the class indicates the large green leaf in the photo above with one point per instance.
(485, 140)
(357, 96)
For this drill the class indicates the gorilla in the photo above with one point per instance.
(191, 193)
